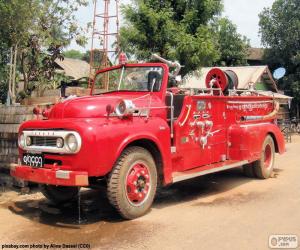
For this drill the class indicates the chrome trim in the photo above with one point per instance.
(208, 171)
(249, 102)
(172, 113)
(52, 133)
(254, 124)
(62, 174)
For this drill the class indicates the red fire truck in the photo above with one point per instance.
(137, 131)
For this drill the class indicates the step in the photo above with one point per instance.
(208, 169)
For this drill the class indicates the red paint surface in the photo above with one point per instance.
(104, 138)
(48, 176)
(137, 183)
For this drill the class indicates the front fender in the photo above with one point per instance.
(157, 131)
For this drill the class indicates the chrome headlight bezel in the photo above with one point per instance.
(22, 141)
(71, 143)
(60, 142)
(28, 140)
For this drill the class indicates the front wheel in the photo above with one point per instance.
(132, 183)
(263, 168)
(59, 194)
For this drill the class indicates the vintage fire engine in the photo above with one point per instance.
(136, 131)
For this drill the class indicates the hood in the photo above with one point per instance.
(84, 107)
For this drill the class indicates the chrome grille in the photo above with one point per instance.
(43, 141)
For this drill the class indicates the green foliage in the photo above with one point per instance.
(3, 85)
(188, 31)
(75, 54)
(232, 45)
(279, 28)
(98, 57)
(177, 30)
(4, 50)
(53, 21)
(38, 30)
(17, 17)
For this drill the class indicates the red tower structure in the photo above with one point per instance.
(106, 32)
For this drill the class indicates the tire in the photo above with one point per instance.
(248, 170)
(293, 128)
(132, 183)
(298, 128)
(263, 168)
(59, 194)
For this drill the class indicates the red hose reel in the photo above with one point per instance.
(223, 79)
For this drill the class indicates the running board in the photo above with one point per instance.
(181, 176)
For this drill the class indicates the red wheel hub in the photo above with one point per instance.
(138, 183)
(268, 156)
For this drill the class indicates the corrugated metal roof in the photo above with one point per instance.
(246, 75)
(74, 68)
(275, 95)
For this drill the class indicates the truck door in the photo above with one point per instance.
(201, 133)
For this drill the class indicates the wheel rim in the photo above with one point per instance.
(138, 184)
(268, 159)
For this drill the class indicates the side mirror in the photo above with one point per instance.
(154, 81)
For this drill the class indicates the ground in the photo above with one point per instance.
(219, 211)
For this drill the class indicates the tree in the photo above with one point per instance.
(98, 57)
(176, 29)
(280, 33)
(232, 45)
(189, 31)
(4, 51)
(75, 54)
(37, 30)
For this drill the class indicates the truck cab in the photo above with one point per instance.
(135, 133)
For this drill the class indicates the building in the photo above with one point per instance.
(74, 68)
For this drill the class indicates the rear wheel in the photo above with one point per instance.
(263, 168)
(132, 183)
(248, 170)
(59, 194)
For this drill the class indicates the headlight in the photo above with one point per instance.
(59, 142)
(125, 108)
(21, 141)
(28, 141)
(72, 143)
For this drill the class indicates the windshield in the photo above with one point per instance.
(137, 79)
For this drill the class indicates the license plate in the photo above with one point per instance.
(33, 160)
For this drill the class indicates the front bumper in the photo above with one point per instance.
(50, 176)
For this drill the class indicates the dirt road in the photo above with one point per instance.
(220, 211)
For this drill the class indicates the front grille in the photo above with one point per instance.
(43, 141)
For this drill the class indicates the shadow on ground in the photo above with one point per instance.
(94, 207)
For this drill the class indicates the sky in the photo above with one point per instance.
(243, 13)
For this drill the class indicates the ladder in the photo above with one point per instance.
(105, 36)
